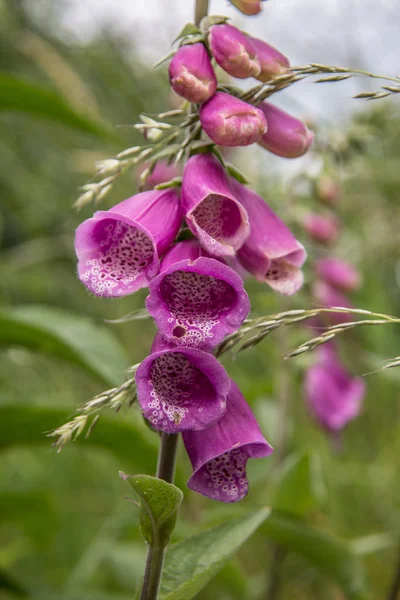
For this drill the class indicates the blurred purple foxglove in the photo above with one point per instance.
(271, 60)
(161, 173)
(196, 300)
(212, 212)
(219, 454)
(286, 136)
(271, 252)
(328, 190)
(324, 229)
(327, 297)
(339, 273)
(191, 74)
(248, 7)
(233, 51)
(334, 397)
(229, 121)
(181, 388)
(118, 249)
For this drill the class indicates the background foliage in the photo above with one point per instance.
(65, 529)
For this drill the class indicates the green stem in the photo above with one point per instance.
(394, 591)
(155, 554)
(200, 11)
(167, 457)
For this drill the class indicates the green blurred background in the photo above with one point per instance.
(66, 530)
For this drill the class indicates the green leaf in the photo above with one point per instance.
(66, 335)
(298, 490)
(238, 175)
(32, 511)
(191, 564)
(24, 96)
(27, 425)
(159, 504)
(9, 584)
(331, 555)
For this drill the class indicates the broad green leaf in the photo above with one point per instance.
(9, 584)
(330, 555)
(297, 489)
(31, 512)
(159, 503)
(66, 335)
(191, 564)
(24, 96)
(27, 425)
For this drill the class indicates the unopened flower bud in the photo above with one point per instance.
(328, 190)
(271, 60)
(248, 7)
(233, 51)
(229, 121)
(339, 273)
(322, 228)
(286, 136)
(327, 296)
(191, 74)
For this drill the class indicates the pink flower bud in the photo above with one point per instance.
(271, 60)
(328, 297)
(339, 273)
(191, 74)
(328, 190)
(322, 228)
(248, 7)
(229, 121)
(233, 51)
(286, 136)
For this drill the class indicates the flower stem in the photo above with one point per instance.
(156, 554)
(201, 10)
(167, 457)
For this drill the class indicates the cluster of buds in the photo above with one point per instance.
(190, 243)
(333, 395)
(228, 119)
